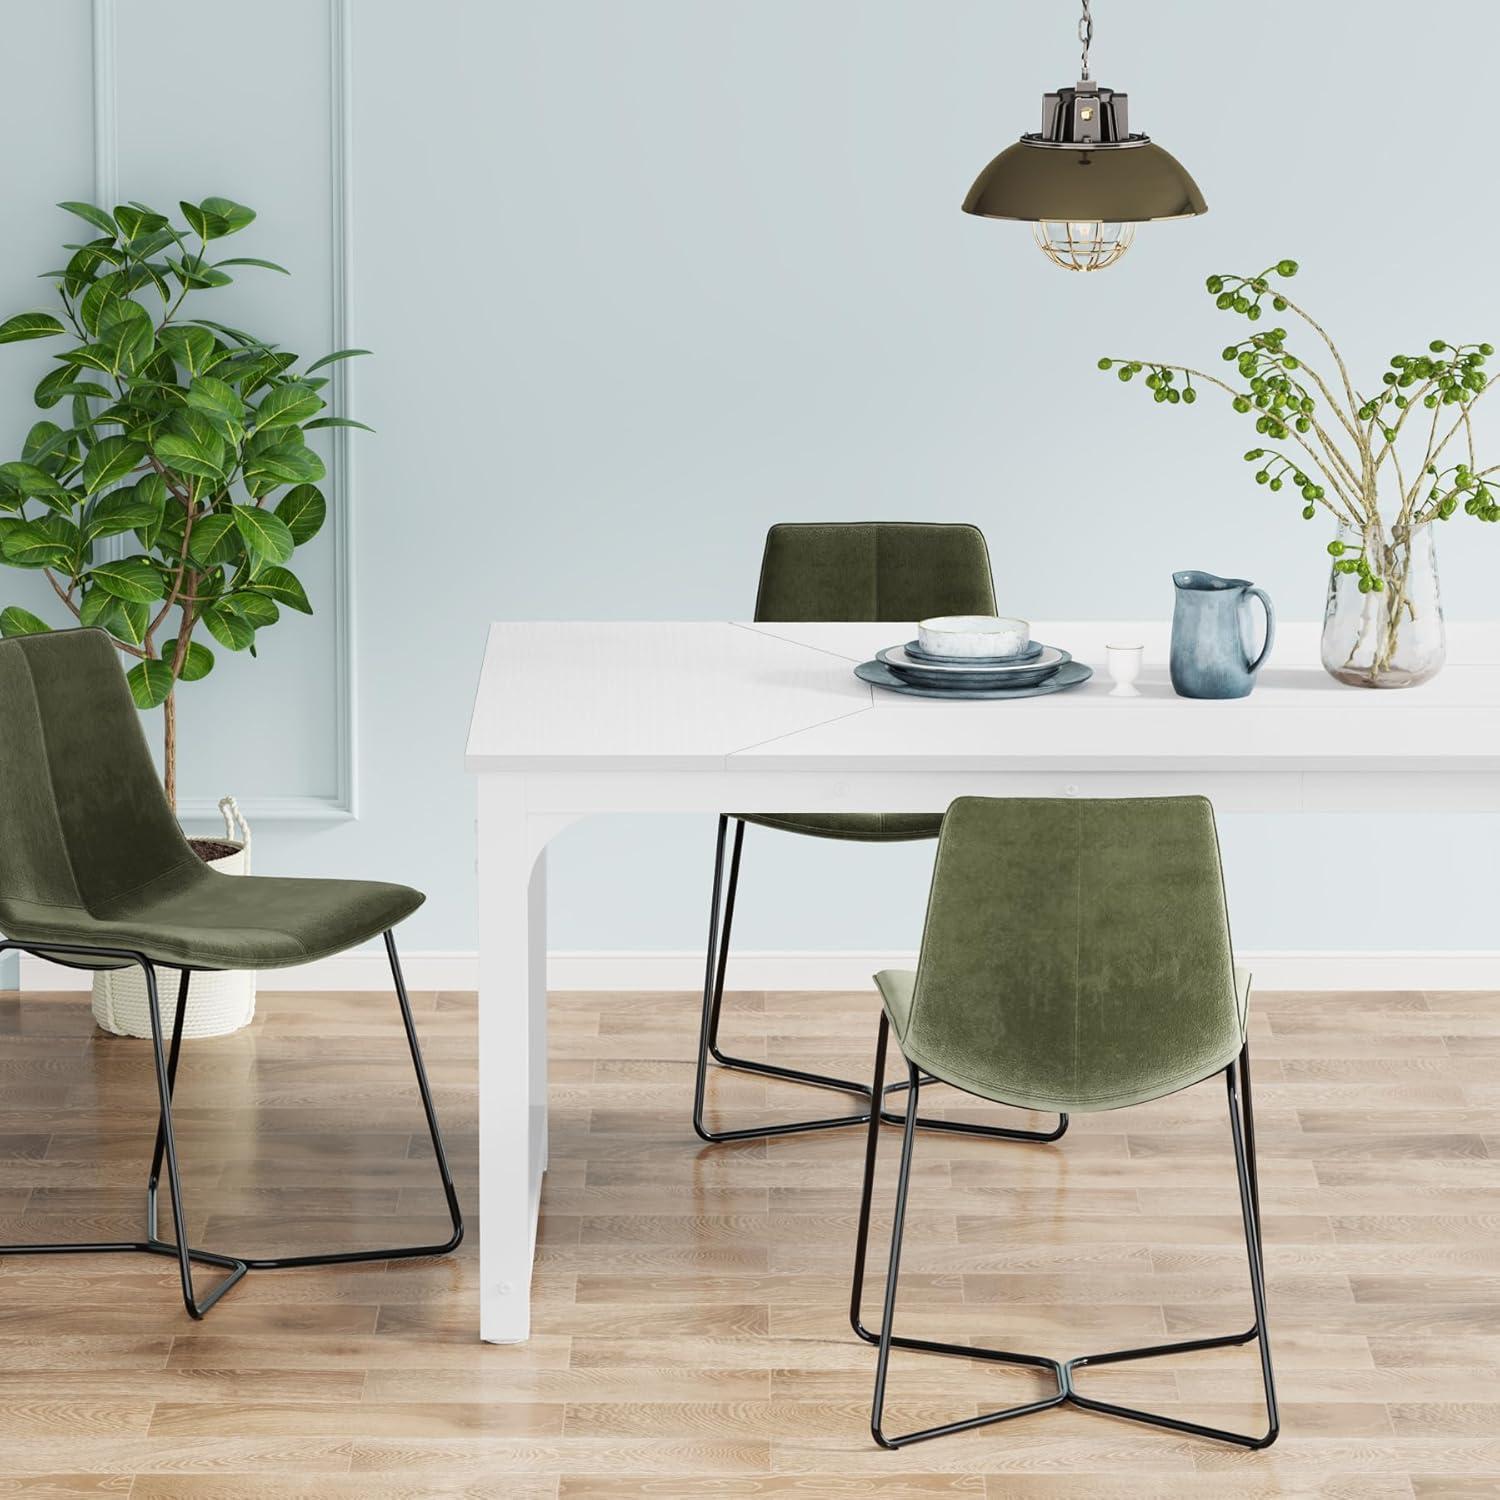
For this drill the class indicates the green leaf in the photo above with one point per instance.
(208, 534)
(118, 512)
(251, 371)
(197, 272)
(248, 340)
(287, 406)
(193, 447)
(64, 381)
(132, 579)
(282, 586)
(250, 260)
(121, 309)
(133, 220)
(17, 621)
(151, 491)
(150, 683)
(228, 628)
(85, 262)
(34, 483)
(128, 342)
(304, 511)
(47, 444)
(216, 217)
(46, 542)
(96, 216)
(194, 348)
(29, 325)
(266, 536)
(104, 291)
(282, 463)
(233, 214)
(336, 422)
(337, 354)
(198, 661)
(256, 609)
(125, 621)
(219, 402)
(110, 460)
(92, 356)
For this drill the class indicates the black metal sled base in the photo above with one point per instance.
(1242, 1127)
(166, 1149)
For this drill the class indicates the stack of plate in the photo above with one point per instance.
(1033, 671)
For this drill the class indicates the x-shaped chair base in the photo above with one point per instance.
(166, 1149)
(1242, 1127)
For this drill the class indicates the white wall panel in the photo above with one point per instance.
(643, 278)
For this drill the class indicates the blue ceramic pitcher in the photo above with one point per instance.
(1211, 632)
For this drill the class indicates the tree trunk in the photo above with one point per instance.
(169, 747)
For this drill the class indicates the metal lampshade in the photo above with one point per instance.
(1125, 184)
(1084, 179)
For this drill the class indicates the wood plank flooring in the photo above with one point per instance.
(691, 1341)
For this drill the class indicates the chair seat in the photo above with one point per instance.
(195, 918)
(865, 828)
(897, 987)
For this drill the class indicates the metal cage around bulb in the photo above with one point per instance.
(1082, 246)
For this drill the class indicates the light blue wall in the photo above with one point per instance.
(645, 278)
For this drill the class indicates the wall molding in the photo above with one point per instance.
(683, 970)
(104, 75)
(343, 803)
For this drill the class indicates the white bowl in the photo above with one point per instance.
(973, 635)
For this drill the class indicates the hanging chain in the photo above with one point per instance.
(1086, 35)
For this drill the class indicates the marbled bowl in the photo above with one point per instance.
(960, 637)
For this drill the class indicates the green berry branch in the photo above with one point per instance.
(1339, 449)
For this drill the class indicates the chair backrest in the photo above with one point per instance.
(83, 817)
(874, 570)
(1076, 953)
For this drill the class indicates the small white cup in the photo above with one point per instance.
(1124, 667)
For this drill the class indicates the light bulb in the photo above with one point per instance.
(1083, 245)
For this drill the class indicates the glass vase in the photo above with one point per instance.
(1390, 637)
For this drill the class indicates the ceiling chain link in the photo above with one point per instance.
(1086, 35)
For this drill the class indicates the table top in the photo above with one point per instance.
(716, 695)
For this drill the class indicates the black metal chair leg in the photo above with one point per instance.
(722, 910)
(720, 928)
(1241, 1119)
(172, 1055)
(1241, 1127)
(886, 1340)
(403, 1252)
(181, 1252)
(195, 1305)
(165, 1149)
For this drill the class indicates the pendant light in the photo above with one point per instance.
(1084, 181)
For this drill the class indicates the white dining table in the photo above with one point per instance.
(573, 719)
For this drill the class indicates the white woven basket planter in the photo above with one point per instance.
(219, 1001)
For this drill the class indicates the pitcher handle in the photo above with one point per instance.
(1265, 650)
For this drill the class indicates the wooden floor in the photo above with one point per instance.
(690, 1328)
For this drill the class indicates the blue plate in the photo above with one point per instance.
(1029, 652)
(1066, 676)
(942, 674)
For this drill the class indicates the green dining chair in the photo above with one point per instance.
(1076, 957)
(95, 873)
(883, 570)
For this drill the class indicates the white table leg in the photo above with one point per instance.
(512, 1053)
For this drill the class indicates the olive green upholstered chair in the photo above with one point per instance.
(881, 570)
(95, 872)
(1076, 957)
